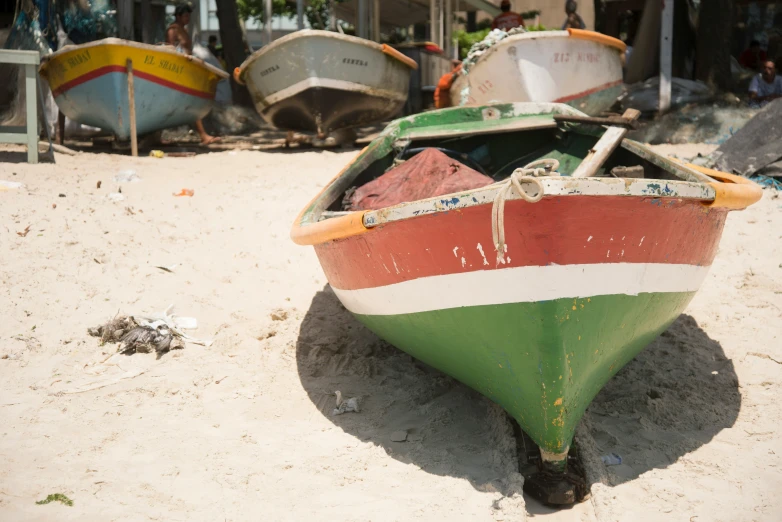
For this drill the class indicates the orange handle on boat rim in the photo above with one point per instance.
(393, 53)
(238, 76)
(733, 192)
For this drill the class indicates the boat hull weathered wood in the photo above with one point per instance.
(591, 273)
(580, 68)
(89, 84)
(320, 81)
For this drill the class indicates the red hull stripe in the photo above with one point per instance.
(118, 68)
(576, 96)
(563, 230)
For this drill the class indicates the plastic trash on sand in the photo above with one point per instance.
(144, 334)
(185, 192)
(157, 153)
(115, 196)
(612, 459)
(127, 176)
(345, 405)
(10, 185)
(428, 174)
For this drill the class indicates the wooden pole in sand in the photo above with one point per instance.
(132, 110)
(666, 56)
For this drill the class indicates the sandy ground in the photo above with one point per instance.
(243, 429)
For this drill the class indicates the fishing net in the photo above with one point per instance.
(428, 174)
(89, 20)
(44, 26)
(32, 31)
(478, 49)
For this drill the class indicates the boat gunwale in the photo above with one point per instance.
(717, 189)
(311, 32)
(607, 41)
(163, 48)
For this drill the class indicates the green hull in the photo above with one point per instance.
(543, 362)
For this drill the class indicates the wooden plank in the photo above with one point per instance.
(447, 131)
(31, 93)
(132, 110)
(677, 169)
(13, 129)
(604, 147)
(13, 137)
(616, 121)
(13, 56)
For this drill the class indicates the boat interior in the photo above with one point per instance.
(497, 151)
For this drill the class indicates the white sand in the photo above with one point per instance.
(243, 430)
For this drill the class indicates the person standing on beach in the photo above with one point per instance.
(573, 20)
(507, 20)
(177, 36)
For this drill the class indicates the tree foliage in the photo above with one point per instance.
(316, 11)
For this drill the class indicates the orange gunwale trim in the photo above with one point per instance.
(304, 233)
(238, 76)
(393, 53)
(335, 228)
(734, 192)
(593, 36)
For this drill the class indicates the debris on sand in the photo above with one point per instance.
(127, 176)
(399, 436)
(10, 185)
(56, 497)
(345, 405)
(145, 334)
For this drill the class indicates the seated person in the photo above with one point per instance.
(765, 86)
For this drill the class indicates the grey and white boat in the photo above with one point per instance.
(321, 81)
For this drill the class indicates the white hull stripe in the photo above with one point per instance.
(526, 284)
(329, 83)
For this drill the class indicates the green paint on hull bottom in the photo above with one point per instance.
(543, 362)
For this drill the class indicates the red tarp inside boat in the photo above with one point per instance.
(427, 174)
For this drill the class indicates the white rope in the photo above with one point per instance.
(527, 175)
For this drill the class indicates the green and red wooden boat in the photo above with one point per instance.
(592, 268)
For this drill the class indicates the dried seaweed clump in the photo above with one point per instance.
(135, 337)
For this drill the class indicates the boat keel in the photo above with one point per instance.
(552, 483)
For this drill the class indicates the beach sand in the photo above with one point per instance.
(244, 430)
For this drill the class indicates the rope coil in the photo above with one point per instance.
(529, 175)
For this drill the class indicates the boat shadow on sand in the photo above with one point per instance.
(672, 398)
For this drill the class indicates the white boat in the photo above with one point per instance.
(321, 81)
(577, 67)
